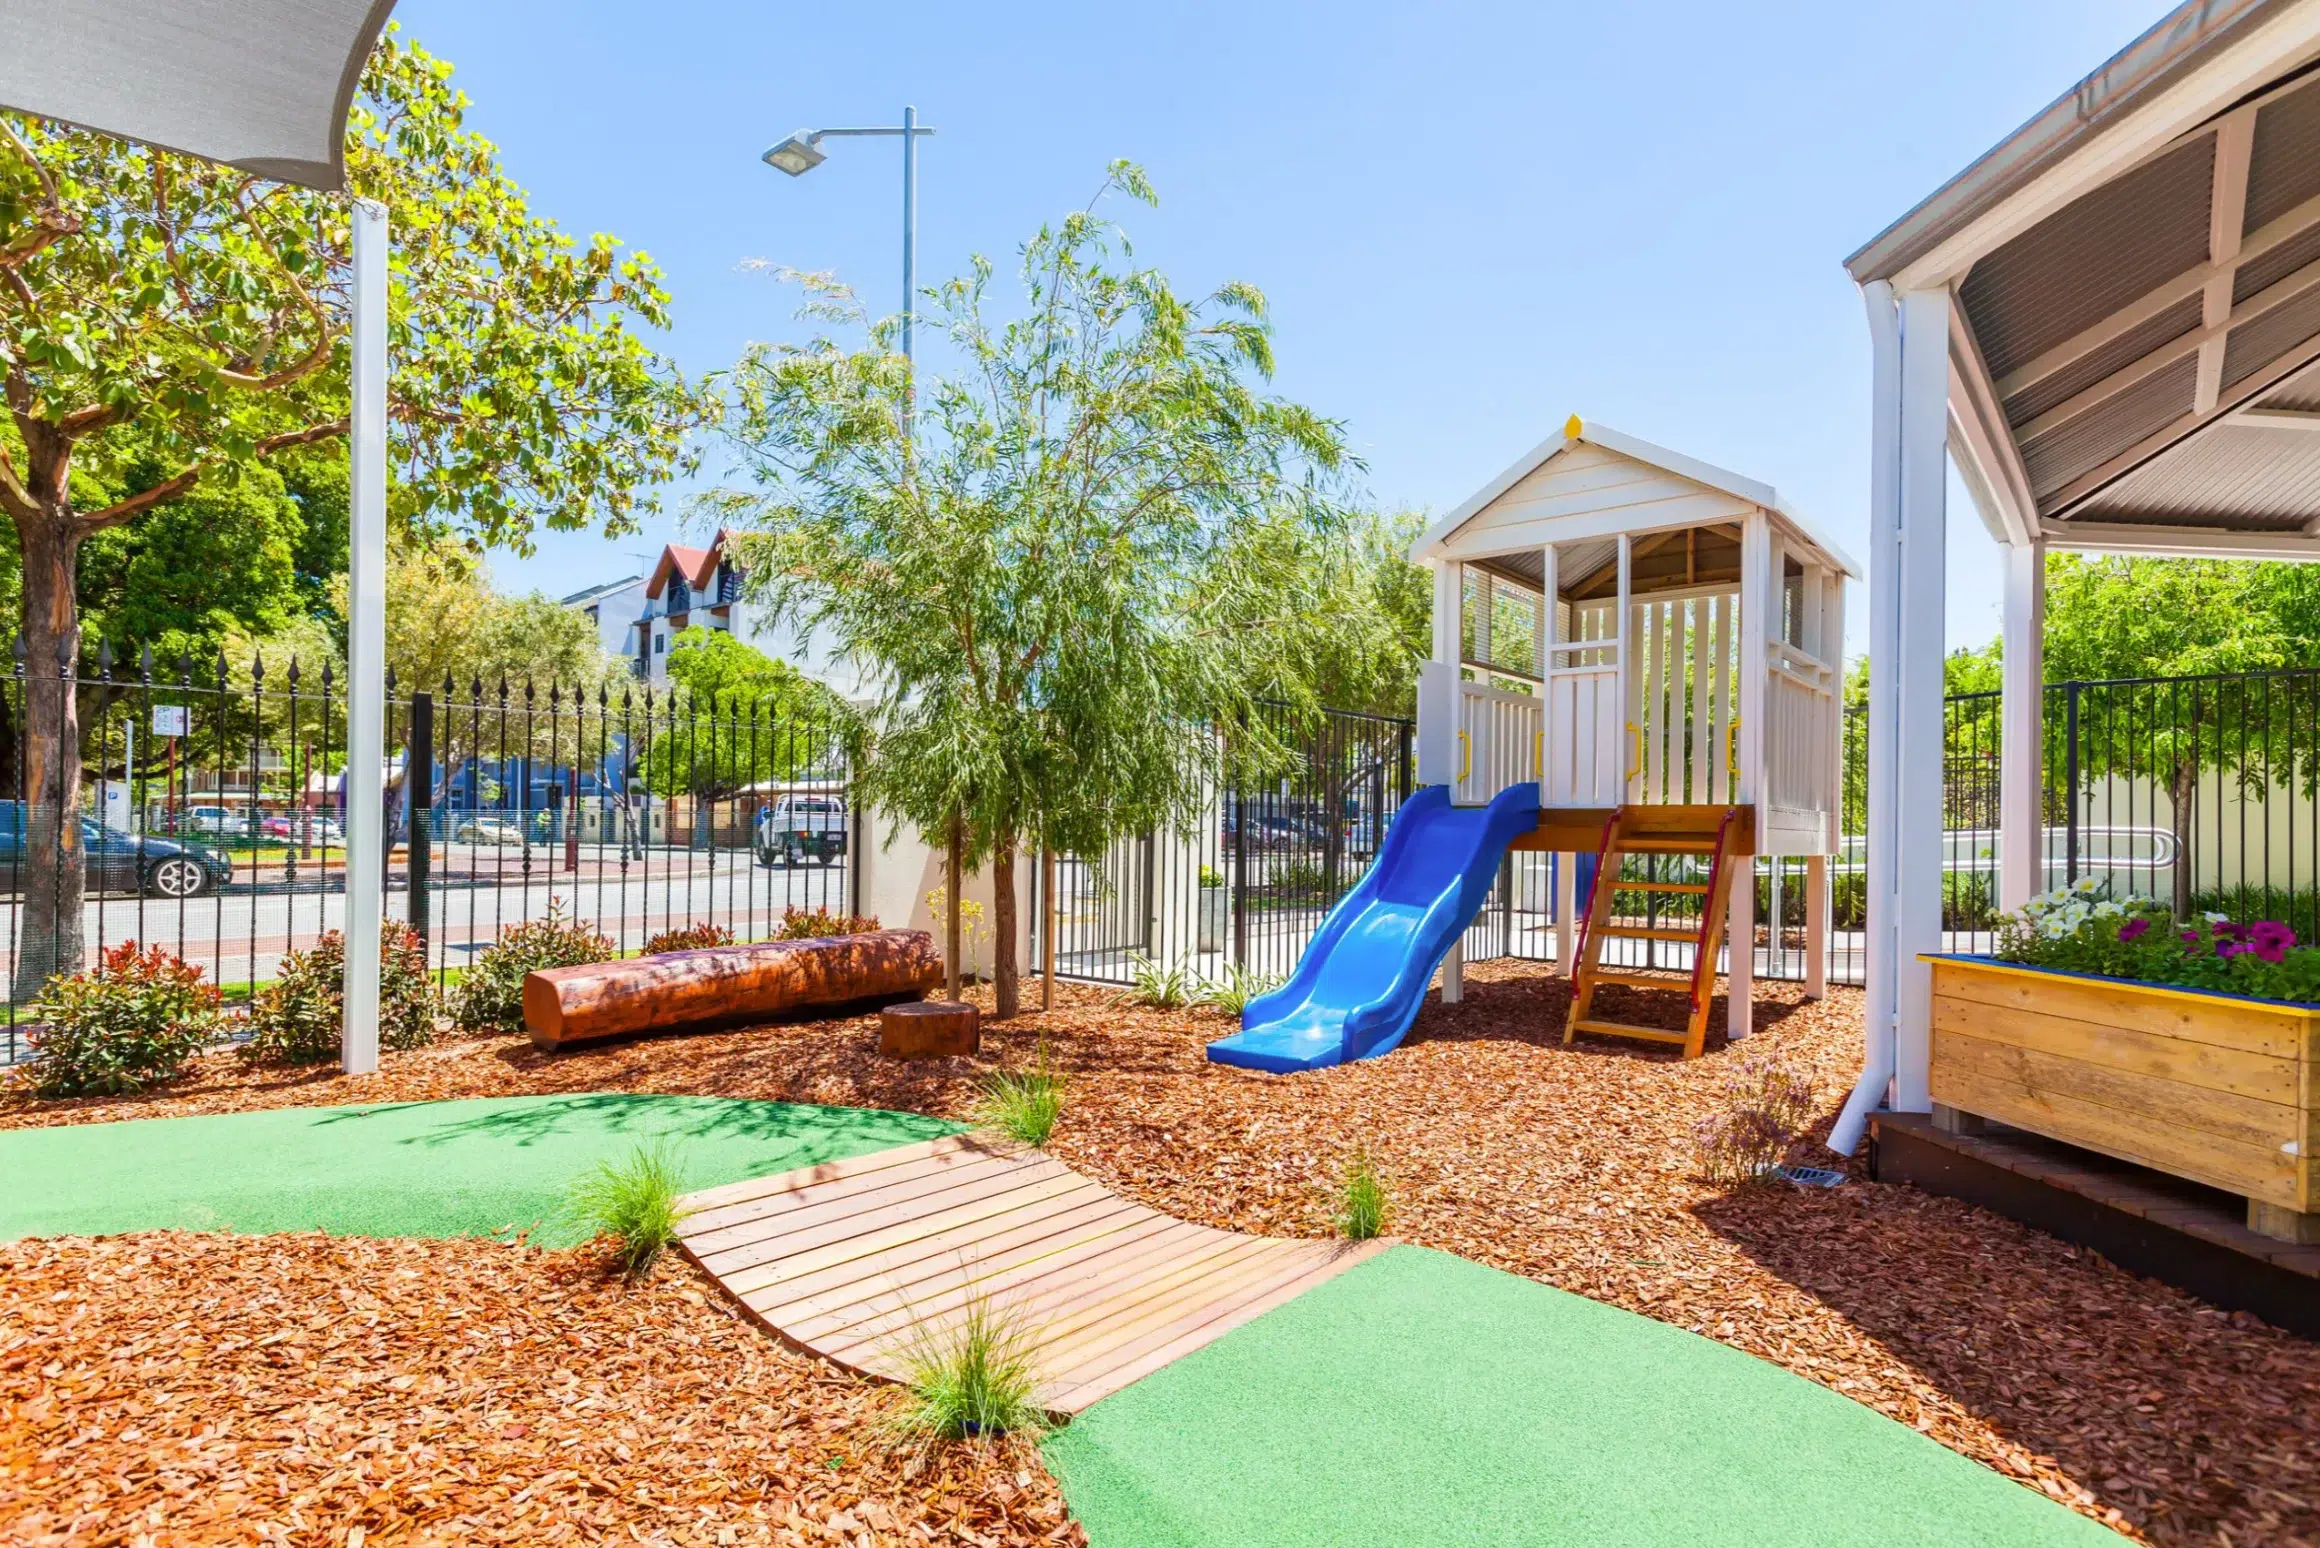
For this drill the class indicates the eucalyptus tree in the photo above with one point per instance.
(165, 323)
(1052, 557)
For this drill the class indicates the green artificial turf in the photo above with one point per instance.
(492, 1166)
(1421, 1400)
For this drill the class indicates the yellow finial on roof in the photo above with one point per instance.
(1573, 428)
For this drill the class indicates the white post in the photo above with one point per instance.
(1916, 770)
(1816, 926)
(1759, 614)
(366, 653)
(2021, 749)
(1885, 416)
(1454, 972)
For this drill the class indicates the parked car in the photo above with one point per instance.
(486, 830)
(799, 827)
(291, 828)
(120, 862)
(217, 822)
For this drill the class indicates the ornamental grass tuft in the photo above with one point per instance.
(969, 1379)
(1162, 988)
(1022, 1104)
(1364, 1208)
(633, 1201)
(1761, 1108)
(1232, 992)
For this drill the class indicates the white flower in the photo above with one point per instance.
(2215, 918)
(2107, 907)
(2085, 884)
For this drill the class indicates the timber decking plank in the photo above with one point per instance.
(894, 1182)
(863, 1260)
(907, 1186)
(836, 1171)
(812, 1298)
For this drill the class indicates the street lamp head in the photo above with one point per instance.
(796, 155)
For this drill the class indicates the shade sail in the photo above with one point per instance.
(263, 85)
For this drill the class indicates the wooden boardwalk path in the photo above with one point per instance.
(862, 1260)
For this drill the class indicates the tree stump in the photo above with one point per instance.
(929, 1029)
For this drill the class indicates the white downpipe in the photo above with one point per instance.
(1877, 1054)
(366, 646)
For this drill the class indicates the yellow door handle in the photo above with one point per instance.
(1732, 748)
(1538, 754)
(1465, 757)
(1634, 749)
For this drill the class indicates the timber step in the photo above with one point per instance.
(1630, 1029)
(1623, 932)
(1643, 980)
(1642, 830)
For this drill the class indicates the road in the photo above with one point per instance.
(238, 935)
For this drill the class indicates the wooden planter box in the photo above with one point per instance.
(2212, 1087)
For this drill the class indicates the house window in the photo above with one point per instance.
(680, 596)
(660, 644)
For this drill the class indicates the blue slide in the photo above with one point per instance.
(1362, 978)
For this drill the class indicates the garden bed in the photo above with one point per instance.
(2134, 1403)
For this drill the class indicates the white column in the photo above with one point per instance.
(1438, 683)
(1816, 926)
(366, 646)
(1759, 621)
(1915, 778)
(1882, 782)
(1454, 972)
(2021, 753)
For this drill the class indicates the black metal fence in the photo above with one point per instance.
(2201, 791)
(212, 816)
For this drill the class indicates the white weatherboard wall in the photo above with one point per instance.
(898, 876)
(1592, 491)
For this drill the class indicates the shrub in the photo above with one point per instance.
(1236, 988)
(1363, 1208)
(296, 1018)
(1762, 1106)
(491, 996)
(690, 938)
(1023, 1104)
(132, 1021)
(633, 1201)
(972, 1378)
(1162, 988)
(1210, 876)
(819, 922)
(2082, 929)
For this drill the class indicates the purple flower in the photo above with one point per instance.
(2134, 929)
(2271, 951)
(2271, 932)
(2233, 949)
(2225, 930)
(2191, 937)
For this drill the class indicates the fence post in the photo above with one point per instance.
(1237, 803)
(2070, 778)
(419, 764)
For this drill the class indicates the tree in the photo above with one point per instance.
(1058, 583)
(167, 324)
(735, 717)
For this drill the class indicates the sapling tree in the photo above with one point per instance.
(167, 323)
(1062, 579)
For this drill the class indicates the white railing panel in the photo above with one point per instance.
(1499, 734)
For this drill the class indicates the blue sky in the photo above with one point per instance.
(1471, 219)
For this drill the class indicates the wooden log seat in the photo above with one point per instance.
(929, 1029)
(725, 985)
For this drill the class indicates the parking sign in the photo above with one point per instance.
(169, 720)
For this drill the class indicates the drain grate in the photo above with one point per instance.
(1810, 1176)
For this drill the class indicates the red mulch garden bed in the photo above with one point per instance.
(2132, 1402)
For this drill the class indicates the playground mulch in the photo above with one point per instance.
(179, 1388)
(2131, 1402)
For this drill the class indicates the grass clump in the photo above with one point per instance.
(1162, 988)
(1239, 985)
(1761, 1108)
(1022, 1104)
(975, 1378)
(633, 1201)
(1364, 1209)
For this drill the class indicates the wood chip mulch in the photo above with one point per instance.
(2133, 1403)
(173, 1388)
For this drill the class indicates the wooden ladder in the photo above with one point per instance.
(1644, 830)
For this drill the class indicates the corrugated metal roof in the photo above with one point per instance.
(2286, 168)
(2178, 42)
(2092, 257)
(2228, 476)
(2091, 439)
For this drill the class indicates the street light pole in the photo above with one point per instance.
(802, 152)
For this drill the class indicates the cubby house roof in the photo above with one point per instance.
(1583, 487)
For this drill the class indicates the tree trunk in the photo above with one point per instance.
(54, 879)
(1006, 983)
(2183, 785)
(952, 861)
